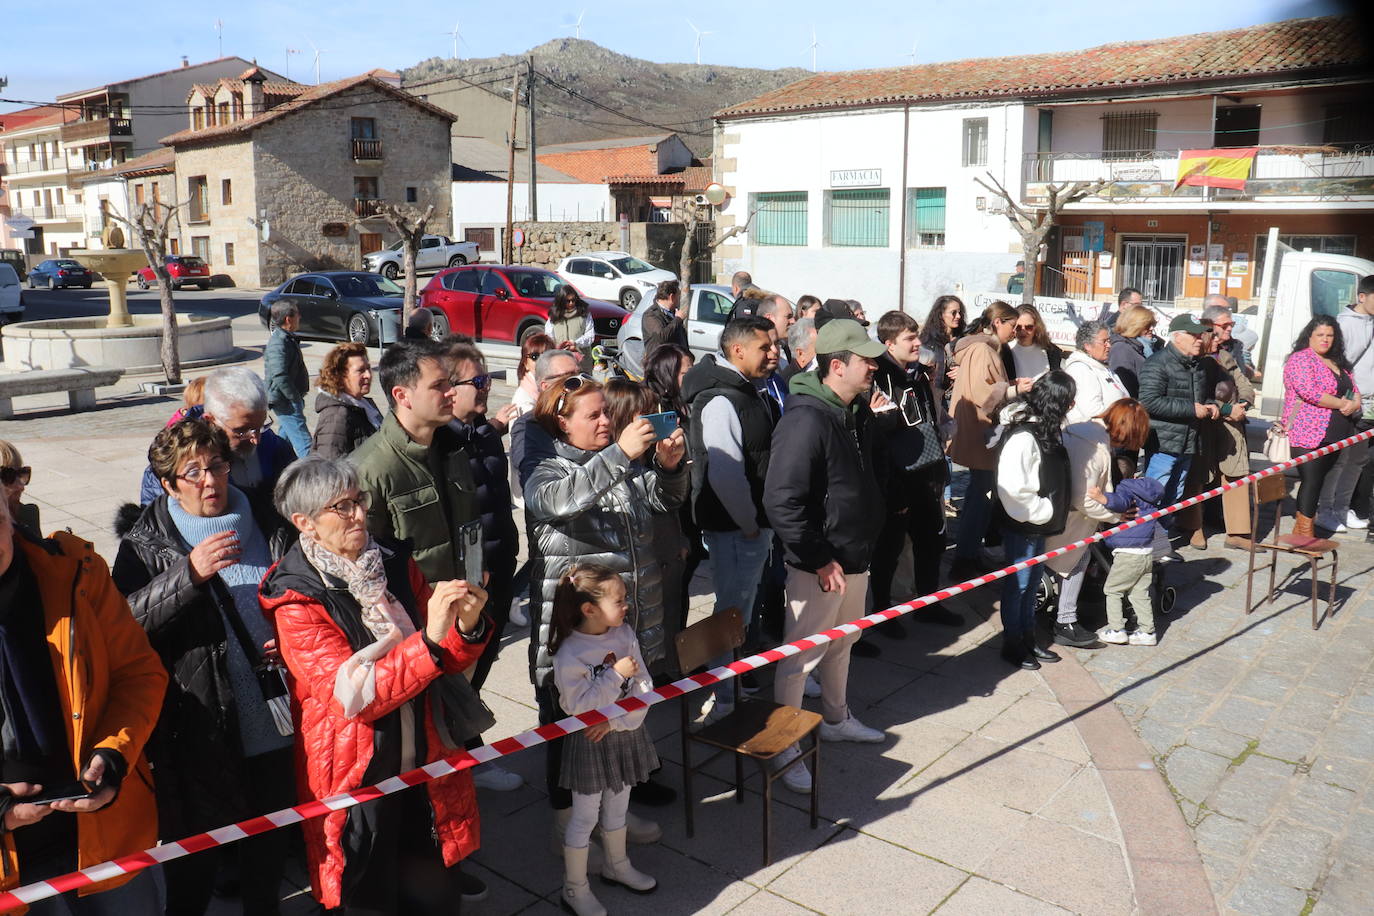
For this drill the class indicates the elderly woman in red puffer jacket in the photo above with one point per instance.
(365, 639)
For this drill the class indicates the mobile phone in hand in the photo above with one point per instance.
(663, 423)
(73, 791)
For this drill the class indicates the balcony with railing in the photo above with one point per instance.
(1325, 172)
(33, 167)
(367, 206)
(366, 149)
(51, 213)
(99, 130)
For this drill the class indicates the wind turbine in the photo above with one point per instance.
(219, 34)
(289, 52)
(577, 27)
(700, 35)
(812, 49)
(318, 52)
(456, 38)
(912, 55)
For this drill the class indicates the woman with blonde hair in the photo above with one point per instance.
(1133, 332)
(15, 476)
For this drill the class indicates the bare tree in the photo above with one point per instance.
(411, 228)
(1033, 224)
(151, 226)
(689, 213)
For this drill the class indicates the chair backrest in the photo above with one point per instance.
(1270, 489)
(709, 639)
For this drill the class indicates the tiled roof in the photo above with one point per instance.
(605, 143)
(309, 95)
(210, 90)
(1297, 46)
(158, 161)
(136, 79)
(42, 116)
(697, 177)
(594, 165)
(475, 159)
(673, 179)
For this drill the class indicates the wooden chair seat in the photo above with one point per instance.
(759, 729)
(1308, 547)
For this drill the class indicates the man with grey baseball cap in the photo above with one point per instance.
(823, 501)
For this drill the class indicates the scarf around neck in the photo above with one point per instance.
(365, 579)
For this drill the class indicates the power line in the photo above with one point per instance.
(611, 110)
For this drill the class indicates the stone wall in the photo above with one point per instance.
(548, 243)
(223, 224)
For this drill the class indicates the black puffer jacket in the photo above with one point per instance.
(1170, 384)
(1126, 358)
(491, 475)
(340, 427)
(195, 751)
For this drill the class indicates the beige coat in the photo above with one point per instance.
(980, 390)
(1223, 444)
(1090, 454)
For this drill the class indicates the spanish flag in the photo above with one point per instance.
(1215, 168)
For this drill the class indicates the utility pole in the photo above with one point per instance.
(507, 252)
(529, 140)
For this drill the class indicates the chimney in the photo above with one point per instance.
(254, 99)
(185, 61)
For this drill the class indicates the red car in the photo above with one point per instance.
(495, 302)
(186, 270)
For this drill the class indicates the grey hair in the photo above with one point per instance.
(234, 386)
(310, 484)
(1087, 333)
(799, 336)
(283, 309)
(543, 366)
(1213, 312)
(772, 304)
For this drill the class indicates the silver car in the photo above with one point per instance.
(711, 305)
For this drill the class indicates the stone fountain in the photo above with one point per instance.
(131, 342)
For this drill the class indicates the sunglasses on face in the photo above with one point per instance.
(23, 475)
(480, 382)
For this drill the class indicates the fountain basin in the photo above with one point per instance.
(66, 343)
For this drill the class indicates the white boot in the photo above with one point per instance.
(618, 869)
(577, 893)
(517, 613)
(561, 816)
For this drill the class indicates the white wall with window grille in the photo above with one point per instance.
(779, 217)
(857, 217)
(1129, 134)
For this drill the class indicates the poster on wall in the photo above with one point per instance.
(1240, 263)
(1213, 286)
(1216, 269)
(1235, 282)
(1216, 252)
(1196, 268)
(1104, 279)
(1197, 252)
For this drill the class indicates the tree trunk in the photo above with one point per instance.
(408, 300)
(169, 352)
(685, 262)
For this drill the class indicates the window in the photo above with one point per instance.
(1348, 123)
(485, 238)
(197, 118)
(229, 254)
(975, 141)
(237, 99)
(713, 307)
(491, 282)
(222, 113)
(429, 241)
(925, 209)
(857, 218)
(198, 189)
(1325, 244)
(365, 187)
(200, 247)
(463, 281)
(779, 218)
(1129, 134)
(157, 193)
(412, 195)
(1332, 290)
(226, 191)
(174, 246)
(362, 128)
(1236, 125)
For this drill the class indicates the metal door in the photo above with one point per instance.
(1153, 267)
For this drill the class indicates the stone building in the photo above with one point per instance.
(278, 178)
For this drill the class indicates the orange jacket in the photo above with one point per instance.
(111, 685)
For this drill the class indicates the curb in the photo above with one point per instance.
(1160, 851)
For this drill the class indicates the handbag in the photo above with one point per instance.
(919, 442)
(271, 679)
(1277, 447)
(458, 712)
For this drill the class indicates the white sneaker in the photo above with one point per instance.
(1141, 638)
(496, 779)
(517, 612)
(1331, 521)
(1115, 637)
(851, 729)
(717, 712)
(798, 779)
(813, 687)
(1354, 521)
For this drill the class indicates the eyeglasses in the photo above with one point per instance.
(480, 382)
(571, 384)
(9, 475)
(196, 473)
(1025, 327)
(1222, 326)
(346, 507)
(250, 432)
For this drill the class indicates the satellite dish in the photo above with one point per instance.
(715, 193)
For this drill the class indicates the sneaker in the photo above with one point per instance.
(518, 617)
(813, 687)
(717, 712)
(798, 778)
(1115, 637)
(1072, 634)
(1141, 638)
(851, 729)
(1354, 522)
(1331, 521)
(493, 778)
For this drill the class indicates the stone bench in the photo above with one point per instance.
(80, 385)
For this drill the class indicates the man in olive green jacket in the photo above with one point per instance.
(415, 470)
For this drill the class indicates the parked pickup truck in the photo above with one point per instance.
(436, 252)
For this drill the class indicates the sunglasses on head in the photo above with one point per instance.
(571, 384)
(9, 475)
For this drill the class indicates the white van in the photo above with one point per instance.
(11, 296)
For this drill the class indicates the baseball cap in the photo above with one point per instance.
(846, 334)
(1187, 322)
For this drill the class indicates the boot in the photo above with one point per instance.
(1014, 652)
(638, 830)
(1302, 526)
(561, 816)
(1198, 540)
(618, 869)
(1034, 651)
(578, 898)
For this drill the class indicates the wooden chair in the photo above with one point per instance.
(1314, 550)
(758, 730)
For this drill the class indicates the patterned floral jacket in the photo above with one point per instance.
(1305, 379)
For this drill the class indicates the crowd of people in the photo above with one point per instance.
(292, 616)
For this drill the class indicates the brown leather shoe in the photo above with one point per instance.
(1302, 526)
(1237, 542)
(1199, 540)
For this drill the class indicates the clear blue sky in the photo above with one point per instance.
(48, 52)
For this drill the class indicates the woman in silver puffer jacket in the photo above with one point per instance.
(592, 501)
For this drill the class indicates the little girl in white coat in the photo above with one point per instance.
(596, 661)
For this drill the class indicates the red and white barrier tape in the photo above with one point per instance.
(222, 836)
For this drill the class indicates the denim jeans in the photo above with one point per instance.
(1172, 471)
(974, 517)
(737, 565)
(1019, 590)
(291, 416)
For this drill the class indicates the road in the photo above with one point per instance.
(80, 303)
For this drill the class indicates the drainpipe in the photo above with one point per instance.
(901, 229)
